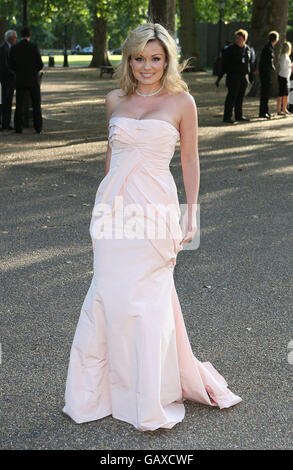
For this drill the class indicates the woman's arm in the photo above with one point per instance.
(189, 162)
(108, 159)
(111, 100)
(109, 109)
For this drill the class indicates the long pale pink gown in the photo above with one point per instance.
(131, 357)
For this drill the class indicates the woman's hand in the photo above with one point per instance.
(189, 226)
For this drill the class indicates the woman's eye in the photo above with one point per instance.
(139, 59)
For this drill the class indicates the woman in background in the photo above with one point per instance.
(284, 79)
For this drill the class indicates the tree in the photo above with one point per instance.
(163, 12)
(100, 39)
(3, 27)
(125, 18)
(268, 15)
(24, 9)
(6, 9)
(65, 11)
(234, 10)
(115, 15)
(188, 33)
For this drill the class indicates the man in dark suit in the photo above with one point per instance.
(7, 78)
(26, 61)
(266, 68)
(236, 63)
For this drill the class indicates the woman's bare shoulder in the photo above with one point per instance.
(113, 98)
(184, 98)
(186, 106)
(115, 95)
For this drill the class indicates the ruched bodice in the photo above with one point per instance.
(131, 355)
(145, 147)
(153, 139)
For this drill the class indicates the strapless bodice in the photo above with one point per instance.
(153, 140)
(139, 171)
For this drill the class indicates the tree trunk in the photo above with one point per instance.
(268, 15)
(3, 27)
(163, 12)
(171, 10)
(73, 35)
(100, 42)
(188, 34)
(24, 13)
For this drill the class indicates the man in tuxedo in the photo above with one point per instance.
(266, 69)
(26, 61)
(237, 64)
(7, 78)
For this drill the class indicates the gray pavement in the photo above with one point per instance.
(242, 324)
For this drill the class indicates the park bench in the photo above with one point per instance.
(107, 69)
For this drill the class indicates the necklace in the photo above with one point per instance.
(151, 94)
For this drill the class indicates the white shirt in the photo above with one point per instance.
(285, 66)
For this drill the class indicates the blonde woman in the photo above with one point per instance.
(131, 357)
(284, 78)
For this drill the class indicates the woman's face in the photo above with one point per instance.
(148, 67)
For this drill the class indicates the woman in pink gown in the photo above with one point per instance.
(131, 357)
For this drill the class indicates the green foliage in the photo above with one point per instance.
(234, 10)
(290, 15)
(47, 17)
(124, 17)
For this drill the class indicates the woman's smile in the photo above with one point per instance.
(146, 75)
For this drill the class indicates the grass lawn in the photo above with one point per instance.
(80, 60)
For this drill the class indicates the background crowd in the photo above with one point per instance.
(240, 65)
(21, 62)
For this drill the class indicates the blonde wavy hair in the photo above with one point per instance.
(286, 48)
(133, 47)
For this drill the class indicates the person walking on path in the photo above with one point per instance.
(26, 61)
(284, 79)
(266, 68)
(7, 79)
(237, 64)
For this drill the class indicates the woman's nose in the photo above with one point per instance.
(147, 64)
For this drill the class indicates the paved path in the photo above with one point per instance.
(242, 323)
